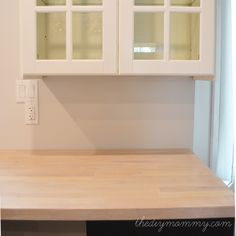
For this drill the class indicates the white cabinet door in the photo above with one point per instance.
(69, 37)
(167, 37)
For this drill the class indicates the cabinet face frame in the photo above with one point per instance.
(204, 66)
(32, 66)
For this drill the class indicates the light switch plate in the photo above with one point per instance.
(25, 90)
(20, 91)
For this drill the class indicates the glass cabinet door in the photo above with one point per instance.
(153, 37)
(184, 36)
(51, 36)
(148, 41)
(87, 35)
(71, 36)
(87, 31)
(167, 37)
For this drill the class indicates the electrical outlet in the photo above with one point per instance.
(27, 92)
(31, 112)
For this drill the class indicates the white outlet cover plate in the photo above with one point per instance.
(31, 112)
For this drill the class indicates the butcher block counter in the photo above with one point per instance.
(60, 185)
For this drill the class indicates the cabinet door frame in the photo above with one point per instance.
(33, 66)
(205, 66)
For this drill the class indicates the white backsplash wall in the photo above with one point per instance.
(86, 112)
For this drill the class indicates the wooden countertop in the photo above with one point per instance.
(73, 186)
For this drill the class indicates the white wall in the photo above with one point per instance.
(86, 113)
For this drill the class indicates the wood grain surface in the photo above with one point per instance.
(70, 185)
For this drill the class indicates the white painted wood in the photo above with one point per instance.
(87, 8)
(208, 37)
(186, 9)
(124, 64)
(32, 66)
(125, 36)
(50, 8)
(110, 36)
(149, 8)
(205, 66)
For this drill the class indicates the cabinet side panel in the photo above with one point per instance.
(207, 43)
(28, 37)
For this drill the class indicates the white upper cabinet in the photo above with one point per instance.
(69, 37)
(167, 37)
(126, 37)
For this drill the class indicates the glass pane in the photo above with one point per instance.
(87, 35)
(185, 36)
(186, 3)
(50, 2)
(149, 2)
(87, 2)
(51, 36)
(148, 36)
